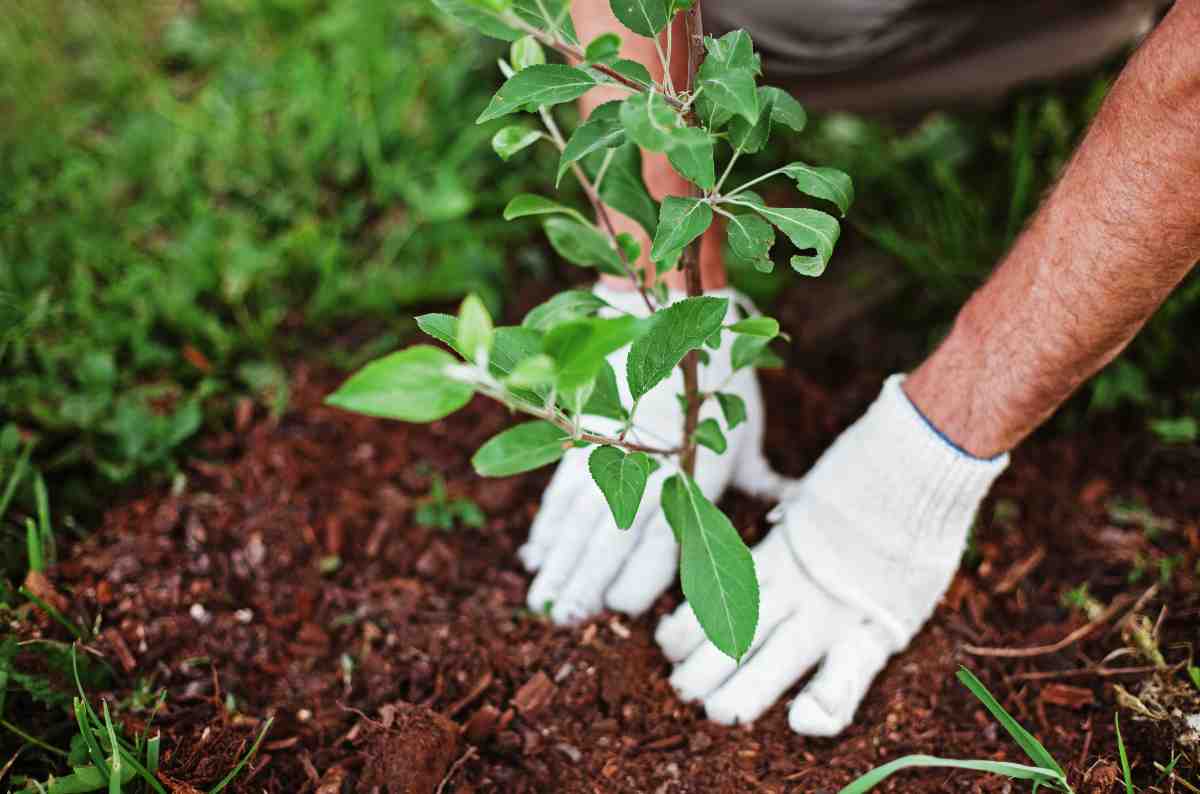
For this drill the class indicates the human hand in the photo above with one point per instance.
(584, 562)
(862, 550)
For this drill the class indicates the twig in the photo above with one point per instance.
(694, 33)
(467, 756)
(1085, 672)
(593, 197)
(35, 741)
(572, 51)
(555, 418)
(1116, 606)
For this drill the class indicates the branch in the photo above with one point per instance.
(571, 51)
(560, 420)
(598, 207)
(694, 33)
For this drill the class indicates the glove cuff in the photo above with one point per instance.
(905, 498)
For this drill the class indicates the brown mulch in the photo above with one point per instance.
(288, 579)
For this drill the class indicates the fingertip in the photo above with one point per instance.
(808, 718)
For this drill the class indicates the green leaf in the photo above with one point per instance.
(526, 52)
(731, 89)
(750, 239)
(622, 480)
(606, 397)
(583, 245)
(734, 50)
(603, 49)
(602, 130)
(526, 204)
(513, 139)
(623, 188)
(823, 183)
(757, 326)
(573, 304)
(748, 137)
(552, 16)
(1043, 777)
(649, 121)
(535, 372)
(733, 408)
(673, 331)
(580, 347)
(708, 434)
(411, 385)
(746, 350)
(479, 17)
(680, 221)
(1027, 742)
(545, 84)
(785, 109)
(632, 70)
(691, 152)
(510, 345)
(525, 447)
(474, 327)
(715, 567)
(644, 17)
(807, 229)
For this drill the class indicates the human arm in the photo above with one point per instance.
(867, 542)
(1114, 237)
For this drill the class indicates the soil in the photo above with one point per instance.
(288, 578)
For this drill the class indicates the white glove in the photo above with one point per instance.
(863, 548)
(584, 561)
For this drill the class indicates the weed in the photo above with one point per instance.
(439, 511)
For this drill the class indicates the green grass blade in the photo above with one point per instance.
(14, 479)
(52, 612)
(42, 497)
(152, 746)
(114, 765)
(33, 546)
(1026, 740)
(1038, 775)
(225, 781)
(1124, 756)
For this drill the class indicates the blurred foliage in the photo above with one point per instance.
(189, 192)
(948, 196)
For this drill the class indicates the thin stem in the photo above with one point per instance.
(32, 739)
(666, 63)
(694, 31)
(725, 175)
(572, 51)
(754, 181)
(593, 196)
(608, 158)
(558, 419)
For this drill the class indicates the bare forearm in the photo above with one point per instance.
(1116, 235)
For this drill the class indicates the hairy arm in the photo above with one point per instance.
(1116, 235)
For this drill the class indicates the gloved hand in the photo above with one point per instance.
(862, 549)
(584, 561)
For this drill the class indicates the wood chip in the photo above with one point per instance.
(534, 695)
(482, 724)
(665, 743)
(1067, 696)
(1017, 573)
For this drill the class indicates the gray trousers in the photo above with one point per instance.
(904, 55)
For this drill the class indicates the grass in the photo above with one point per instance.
(1045, 771)
(191, 195)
